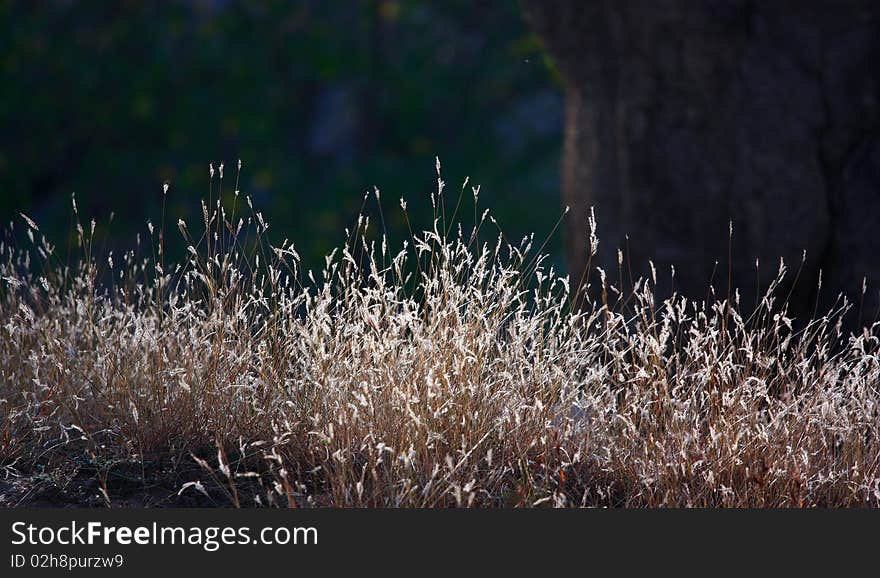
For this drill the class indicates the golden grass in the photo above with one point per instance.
(453, 372)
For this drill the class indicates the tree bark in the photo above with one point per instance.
(684, 115)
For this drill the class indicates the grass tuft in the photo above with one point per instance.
(454, 370)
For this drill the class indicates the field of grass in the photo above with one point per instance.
(456, 369)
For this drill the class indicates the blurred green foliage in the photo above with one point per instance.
(321, 100)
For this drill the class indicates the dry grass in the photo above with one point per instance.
(453, 372)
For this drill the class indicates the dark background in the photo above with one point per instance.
(321, 100)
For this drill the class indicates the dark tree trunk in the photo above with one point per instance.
(683, 115)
